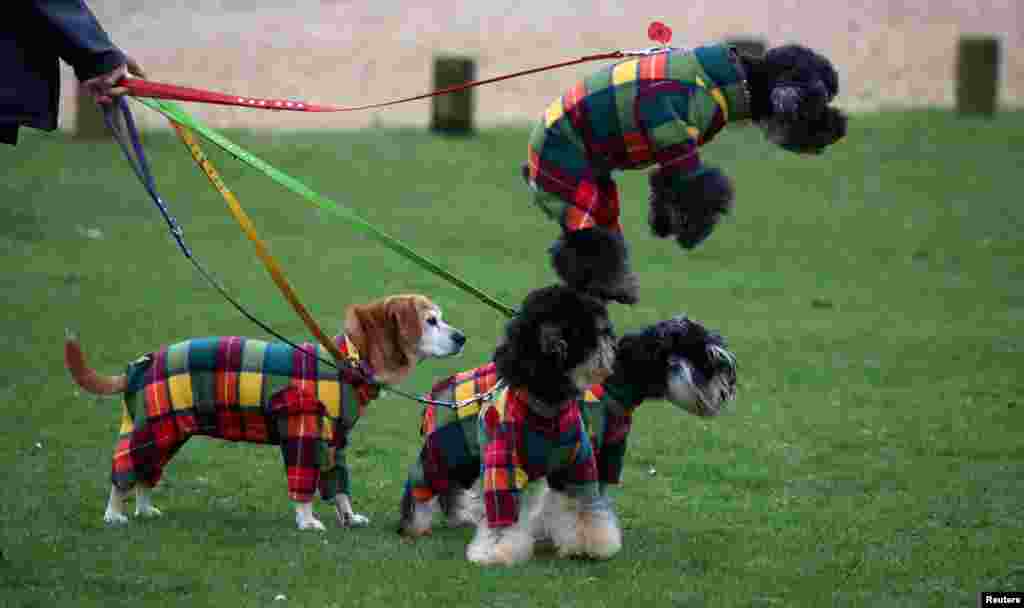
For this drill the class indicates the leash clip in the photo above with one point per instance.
(653, 50)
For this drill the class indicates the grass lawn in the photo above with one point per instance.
(874, 297)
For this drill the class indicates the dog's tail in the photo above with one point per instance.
(85, 376)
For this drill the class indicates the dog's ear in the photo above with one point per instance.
(375, 330)
(552, 342)
(800, 101)
(786, 100)
(404, 313)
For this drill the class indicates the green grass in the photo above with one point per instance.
(874, 297)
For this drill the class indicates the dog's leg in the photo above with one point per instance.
(556, 520)
(417, 516)
(688, 207)
(599, 534)
(304, 517)
(115, 507)
(348, 518)
(462, 507)
(500, 546)
(144, 503)
(539, 516)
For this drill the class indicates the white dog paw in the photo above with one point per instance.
(310, 524)
(114, 519)
(148, 512)
(355, 520)
(601, 536)
(504, 547)
(480, 553)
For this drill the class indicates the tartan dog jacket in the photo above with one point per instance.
(656, 109)
(240, 389)
(450, 455)
(518, 446)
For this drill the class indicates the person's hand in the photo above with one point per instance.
(103, 88)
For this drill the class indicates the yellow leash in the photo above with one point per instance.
(269, 262)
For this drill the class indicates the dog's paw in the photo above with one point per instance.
(411, 531)
(148, 511)
(481, 553)
(352, 520)
(500, 547)
(114, 519)
(600, 534)
(310, 524)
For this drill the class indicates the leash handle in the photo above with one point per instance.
(138, 87)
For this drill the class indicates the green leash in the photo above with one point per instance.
(175, 113)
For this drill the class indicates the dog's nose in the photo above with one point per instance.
(459, 338)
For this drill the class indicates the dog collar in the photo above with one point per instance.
(364, 384)
(723, 77)
(743, 104)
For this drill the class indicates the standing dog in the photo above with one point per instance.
(560, 342)
(677, 360)
(240, 389)
(658, 110)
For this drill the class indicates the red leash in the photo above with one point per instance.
(146, 88)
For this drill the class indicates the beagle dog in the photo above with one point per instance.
(240, 389)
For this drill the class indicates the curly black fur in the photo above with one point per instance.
(790, 89)
(688, 207)
(596, 261)
(642, 358)
(557, 314)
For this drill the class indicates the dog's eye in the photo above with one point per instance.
(432, 321)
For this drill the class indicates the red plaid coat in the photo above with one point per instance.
(519, 446)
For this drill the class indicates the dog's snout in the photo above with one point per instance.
(459, 338)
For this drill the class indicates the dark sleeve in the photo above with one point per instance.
(76, 36)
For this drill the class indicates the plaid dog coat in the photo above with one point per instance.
(451, 449)
(657, 109)
(239, 389)
(519, 446)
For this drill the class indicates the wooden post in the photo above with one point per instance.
(977, 75)
(88, 118)
(452, 113)
(749, 46)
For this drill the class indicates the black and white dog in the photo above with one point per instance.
(677, 360)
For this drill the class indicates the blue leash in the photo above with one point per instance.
(129, 143)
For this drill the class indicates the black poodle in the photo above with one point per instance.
(558, 344)
(658, 110)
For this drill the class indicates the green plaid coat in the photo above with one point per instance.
(658, 109)
(240, 389)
